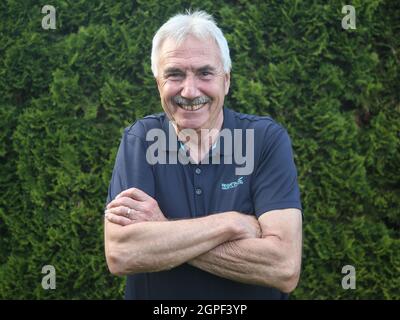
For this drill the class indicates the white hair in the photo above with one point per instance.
(199, 24)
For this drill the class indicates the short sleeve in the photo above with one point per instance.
(274, 185)
(131, 168)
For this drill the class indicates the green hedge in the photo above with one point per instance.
(67, 94)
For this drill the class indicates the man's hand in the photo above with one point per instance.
(250, 225)
(133, 206)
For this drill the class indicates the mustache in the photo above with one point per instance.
(191, 102)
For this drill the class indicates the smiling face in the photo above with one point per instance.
(192, 83)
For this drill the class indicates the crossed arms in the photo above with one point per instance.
(231, 245)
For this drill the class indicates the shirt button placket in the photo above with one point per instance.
(198, 190)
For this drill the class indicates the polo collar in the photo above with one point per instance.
(173, 144)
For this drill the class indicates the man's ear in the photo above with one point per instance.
(227, 80)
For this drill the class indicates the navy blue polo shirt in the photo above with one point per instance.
(195, 190)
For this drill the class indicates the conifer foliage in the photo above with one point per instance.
(67, 93)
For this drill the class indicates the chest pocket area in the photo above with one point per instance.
(234, 195)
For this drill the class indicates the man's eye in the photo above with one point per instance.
(174, 76)
(205, 73)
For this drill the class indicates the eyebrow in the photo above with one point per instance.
(172, 70)
(206, 68)
(177, 70)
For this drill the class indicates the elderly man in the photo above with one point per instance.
(200, 230)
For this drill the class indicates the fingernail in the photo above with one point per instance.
(117, 196)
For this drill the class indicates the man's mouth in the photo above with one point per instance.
(191, 107)
(191, 104)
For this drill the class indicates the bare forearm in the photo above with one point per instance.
(155, 246)
(253, 261)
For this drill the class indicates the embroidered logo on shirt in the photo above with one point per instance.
(234, 184)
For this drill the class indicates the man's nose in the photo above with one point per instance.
(190, 90)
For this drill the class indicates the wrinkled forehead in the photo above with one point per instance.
(190, 53)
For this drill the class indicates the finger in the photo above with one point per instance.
(134, 193)
(128, 213)
(122, 221)
(124, 201)
(120, 211)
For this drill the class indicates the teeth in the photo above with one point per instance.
(192, 107)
